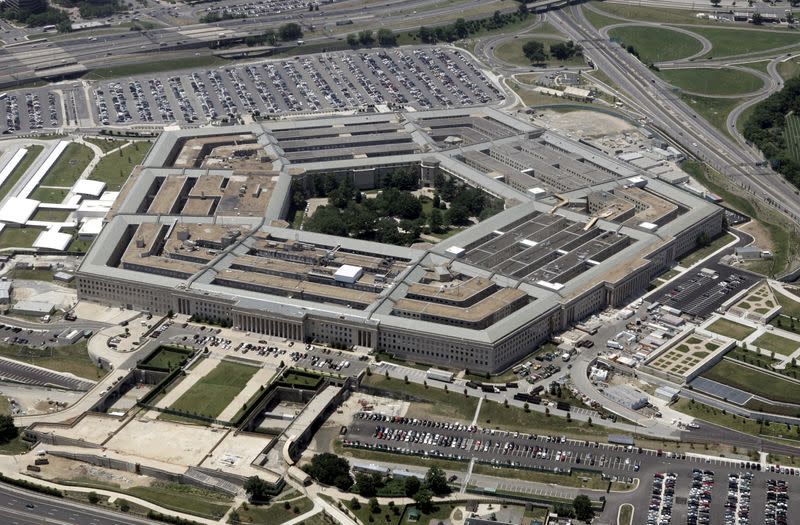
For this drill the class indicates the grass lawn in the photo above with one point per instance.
(5, 406)
(14, 447)
(727, 42)
(438, 403)
(712, 81)
(22, 167)
(185, 498)
(751, 380)
(274, 513)
(73, 359)
(511, 52)
(701, 253)
(789, 307)
(747, 426)
(31, 275)
(50, 195)
(625, 515)
(581, 480)
(650, 14)
(78, 245)
(69, 166)
(730, 329)
(384, 516)
(714, 110)
(114, 169)
(777, 344)
(211, 394)
(50, 215)
(105, 144)
(498, 416)
(21, 237)
(166, 358)
(649, 42)
(789, 69)
(125, 70)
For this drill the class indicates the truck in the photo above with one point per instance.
(439, 375)
(614, 344)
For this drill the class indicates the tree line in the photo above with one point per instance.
(536, 53)
(767, 128)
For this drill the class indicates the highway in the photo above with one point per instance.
(646, 93)
(29, 508)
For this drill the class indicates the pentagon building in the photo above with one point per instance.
(201, 229)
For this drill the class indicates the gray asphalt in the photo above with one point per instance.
(22, 507)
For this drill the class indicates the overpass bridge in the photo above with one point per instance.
(539, 6)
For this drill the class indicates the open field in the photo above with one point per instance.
(21, 237)
(72, 359)
(730, 329)
(213, 392)
(715, 110)
(751, 380)
(712, 81)
(777, 344)
(705, 251)
(438, 403)
(789, 68)
(511, 52)
(650, 14)
(114, 168)
(69, 166)
(649, 42)
(22, 167)
(727, 41)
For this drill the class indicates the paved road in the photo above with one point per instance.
(28, 508)
(654, 99)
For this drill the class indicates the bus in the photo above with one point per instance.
(50, 27)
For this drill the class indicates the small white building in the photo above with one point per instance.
(348, 273)
(52, 240)
(86, 187)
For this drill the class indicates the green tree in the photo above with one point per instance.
(366, 38)
(583, 507)
(436, 221)
(7, 429)
(290, 31)
(331, 469)
(93, 498)
(386, 38)
(534, 51)
(367, 485)
(436, 481)
(257, 489)
(424, 499)
(411, 486)
(352, 40)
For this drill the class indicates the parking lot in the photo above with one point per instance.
(701, 293)
(273, 351)
(708, 496)
(424, 77)
(31, 109)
